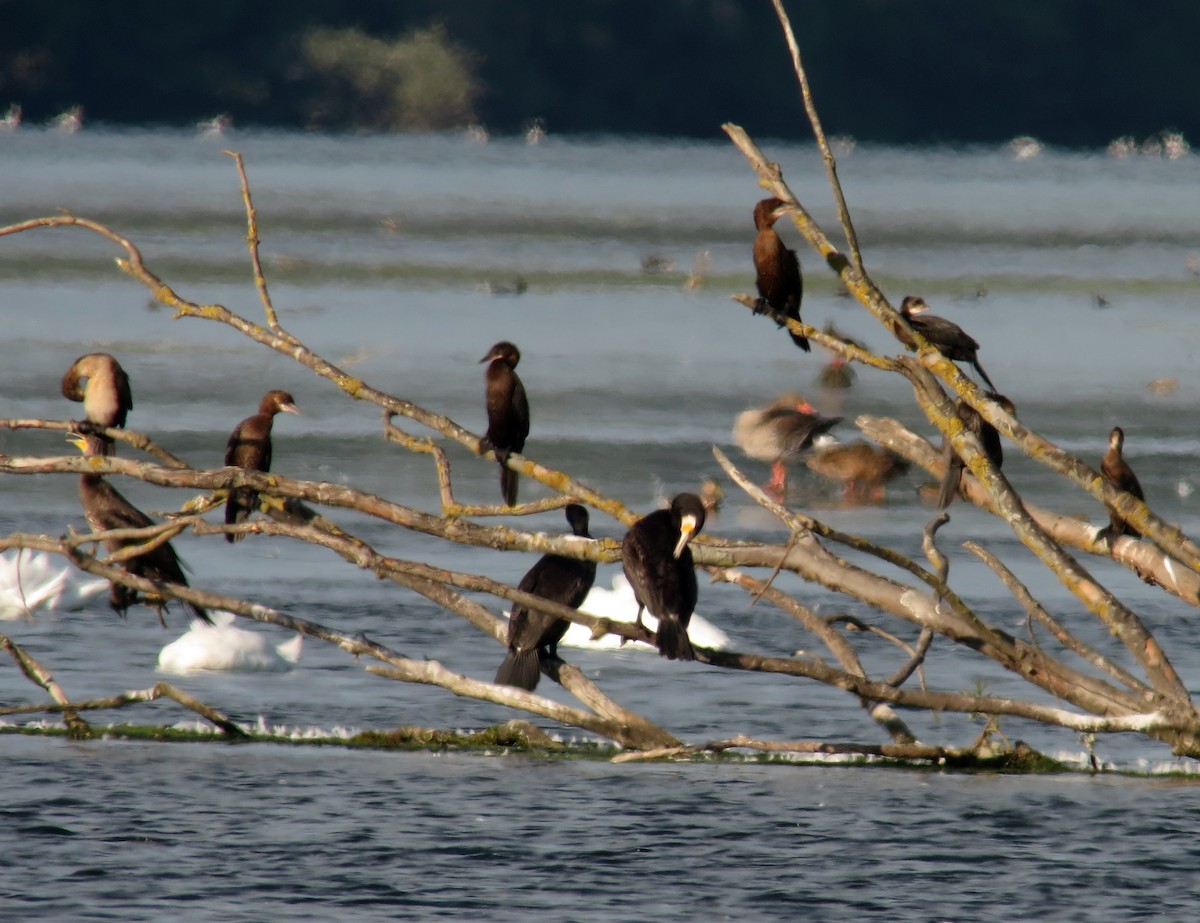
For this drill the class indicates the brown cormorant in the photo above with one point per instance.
(1116, 471)
(658, 565)
(106, 510)
(533, 636)
(106, 396)
(951, 340)
(249, 447)
(507, 411)
(778, 433)
(989, 441)
(779, 280)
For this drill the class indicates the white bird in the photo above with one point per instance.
(225, 647)
(32, 580)
(620, 605)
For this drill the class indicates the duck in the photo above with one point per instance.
(102, 385)
(618, 603)
(778, 278)
(778, 433)
(864, 468)
(249, 447)
(32, 580)
(507, 413)
(534, 636)
(106, 509)
(951, 340)
(1119, 475)
(222, 646)
(658, 565)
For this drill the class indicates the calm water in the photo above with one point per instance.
(381, 253)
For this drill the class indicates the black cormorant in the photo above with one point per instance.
(533, 635)
(658, 565)
(507, 412)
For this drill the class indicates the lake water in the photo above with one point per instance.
(383, 254)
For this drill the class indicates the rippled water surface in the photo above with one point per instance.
(389, 256)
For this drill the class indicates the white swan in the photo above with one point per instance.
(32, 580)
(620, 605)
(223, 646)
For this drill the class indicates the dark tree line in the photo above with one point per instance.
(1072, 72)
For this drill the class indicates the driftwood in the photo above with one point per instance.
(1093, 691)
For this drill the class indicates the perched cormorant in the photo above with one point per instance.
(778, 433)
(249, 447)
(862, 467)
(953, 342)
(106, 510)
(989, 441)
(534, 635)
(1116, 471)
(507, 411)
(658, 565)
(106, 397)
(780, 283)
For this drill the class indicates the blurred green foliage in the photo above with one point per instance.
(1071, 72)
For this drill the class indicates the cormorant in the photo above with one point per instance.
(106, 510)
(778, 433)
(533, 636)
(658, 565)
(106, 396)
(507, 411)
(779, 280)
(989, 441)
(249, 447)
(953, 342)
(1116, 471)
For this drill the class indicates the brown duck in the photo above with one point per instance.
(779, 280)
(778, 433)
(865, 469)
(249, 447)
(98, 380)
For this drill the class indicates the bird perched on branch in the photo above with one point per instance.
(507, 412)
(778, 433)
(950, 339)
(1117, 473)
(98, 380)
(658, 565)
(533, 636)
(249, 447)
(106, 509)
(989, 441)
(779, 281)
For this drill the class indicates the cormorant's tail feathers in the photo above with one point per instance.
(673, 642)
(200, 613)
(983, 374)
(508, 485)
(520, 669)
